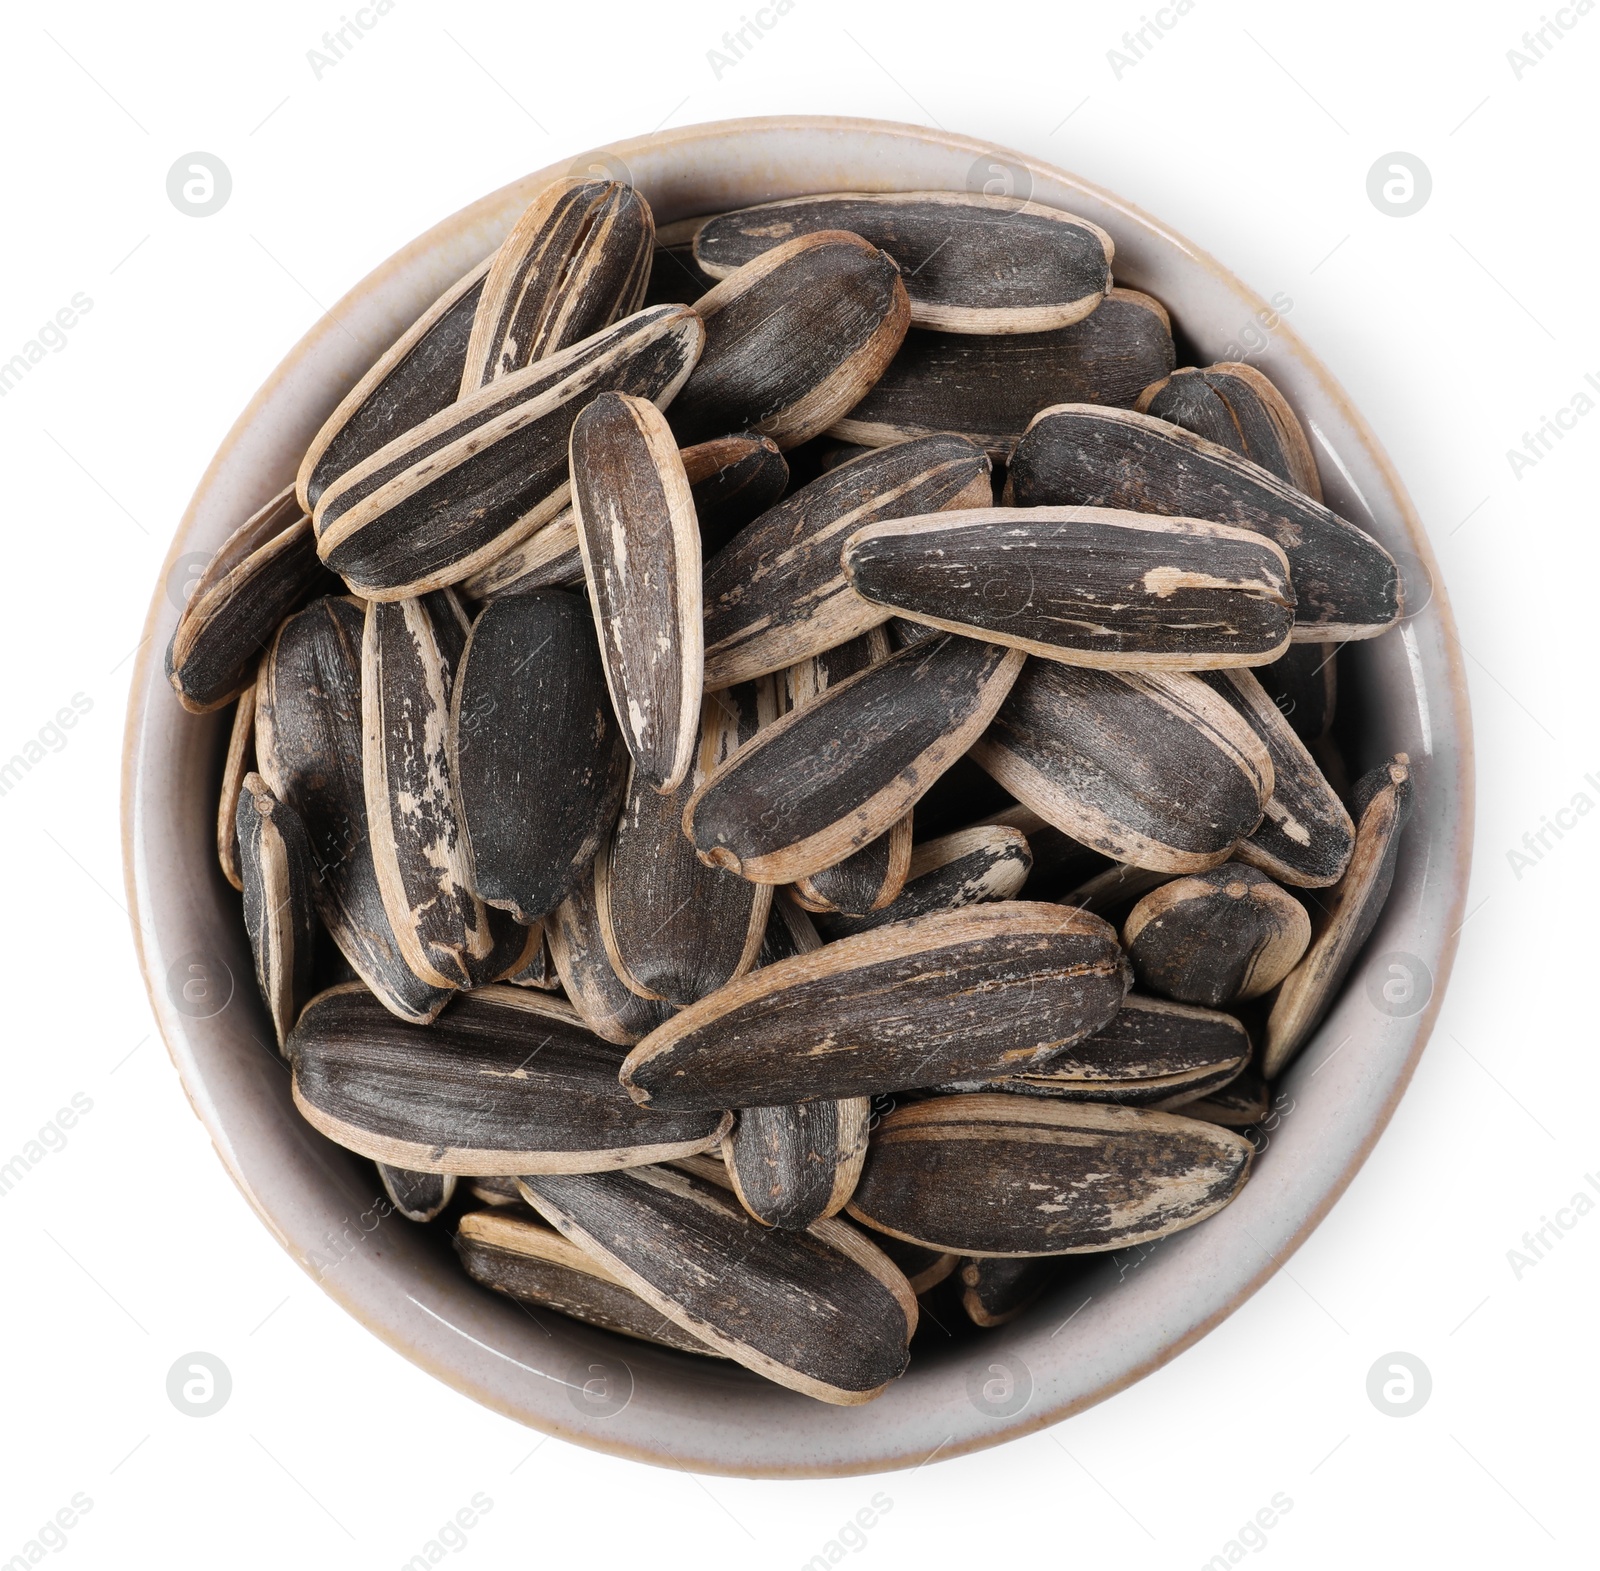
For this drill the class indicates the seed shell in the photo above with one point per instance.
(776, 592)
(536, 759)
(1235, 406)
(1303, 682)
(414, 379)
(1305, 837)
(795, 1164)
(1241, 1102)
(519, 1254)
(280, 914)
(640, 543)
(574, 263)
(1216, 938)
(506, 1081)
(267, 568)
(923, 1268)
(988, 990)
(971, 263)
(447, 497)
(1346, 585)
(828, 778)
(988, 387)
(1085, 585)
(999, 1175)
(821, 1311)
(1383, 804)
(1147, 767)
(309, 751)
(995, 1291)
(418, 1197)
(240, 760)
(793, 339)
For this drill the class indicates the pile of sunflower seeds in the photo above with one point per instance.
(807, 715)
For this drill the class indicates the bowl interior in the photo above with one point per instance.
(1135, 1309)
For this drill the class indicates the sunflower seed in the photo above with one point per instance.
(868, 879)
(1216, 938)
(1383, 804)
(793, 339)
(923, 1268)
(828, 778)
(998, 1175)
(496, 1191)
(970, 867)
(240, 760)
(267, 568)
(674, 926)
(522, 1256)
(537, 970)
(280, 912)
(1084, 585)
(640, 542)
(418, 1197)
(1306, 837)
(414, 379)
(575, 262)
(506, 1081)
(1151, 1051)
(1346, 585)
(1303, 682)
(790, 931)
(1150, 768)
(989, 387)
(971, 263)
(409, 654)
(792, 1165)
(776, 593)
(577, 949)
(675, 277)
(1058, 861)
(995, 1291)
(1115, 888)
(1243, 1101)
(446, 497)
(989, 990)
(536, 760)
(1236, 407)
(821, 1311)
(309, 749)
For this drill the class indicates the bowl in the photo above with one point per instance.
(325, 1206)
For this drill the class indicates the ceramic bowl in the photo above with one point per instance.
(1143, 1307)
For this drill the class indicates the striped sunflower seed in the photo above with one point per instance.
(418, 1197)
(1303, 683)
(1216, 938)
(1059, 861)
(640, 543)
(1383, 804)
(970, 867)
(995, 1291)
(264, 570)
(1346, 584)
(507, 1081)
(793, 339)
(1084, 585)
(795, 1164)
(1238, 1104)
(416, 378)
(676, 927)
(280, 914)
(536, 760)
(1147, 767)
(236, 764)
(309, 751)
(574, 263)
(971, 263)
(821, 1311)
(517, 1253)
(776, 592)
(1305, 837)
(446, 497)
(1236, 407)
(1115, 888)
(989, 990)
(838, 773)
(989, 387)
(998, 1175)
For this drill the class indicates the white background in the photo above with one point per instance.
(1250, 128)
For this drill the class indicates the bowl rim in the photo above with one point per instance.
(1447, 659)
